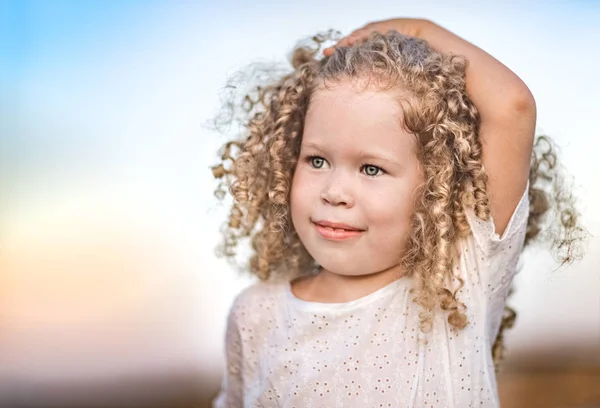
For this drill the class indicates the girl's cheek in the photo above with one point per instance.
(300, 186)
(305, 177)
(385, 198)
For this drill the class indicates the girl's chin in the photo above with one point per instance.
(344, 270)
(357, 269)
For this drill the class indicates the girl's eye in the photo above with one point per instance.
(371, 170)
(317, 162)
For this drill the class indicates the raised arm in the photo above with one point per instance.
(506, 106)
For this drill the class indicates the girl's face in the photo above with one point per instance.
(353, 188)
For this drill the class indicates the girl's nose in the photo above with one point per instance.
(335, 194)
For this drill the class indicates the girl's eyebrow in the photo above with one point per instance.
(311, 146)
(379, 157)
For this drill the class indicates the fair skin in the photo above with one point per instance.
(506, 106)
(357, 167)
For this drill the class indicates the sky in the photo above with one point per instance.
(105, 159)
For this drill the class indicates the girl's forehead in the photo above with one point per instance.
(351, 100)
(345, 114)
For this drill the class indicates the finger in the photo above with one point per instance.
(349, 40)
(342, 43)
(330, 50)
(355, 37)
(359, 35)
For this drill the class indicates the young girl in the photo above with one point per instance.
(388, 189)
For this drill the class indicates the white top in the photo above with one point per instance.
(285, 352)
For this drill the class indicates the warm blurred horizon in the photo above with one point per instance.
(110, 290)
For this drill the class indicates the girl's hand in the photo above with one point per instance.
(506, 108)
(407, 26)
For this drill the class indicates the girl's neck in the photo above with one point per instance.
(328, 287)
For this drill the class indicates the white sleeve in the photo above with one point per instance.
(500, 254)
(231, 394)
(485, 231)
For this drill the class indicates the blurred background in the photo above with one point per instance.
(110, 291)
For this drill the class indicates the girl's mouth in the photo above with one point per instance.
(337, 231)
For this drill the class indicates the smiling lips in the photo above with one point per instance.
(336, 231)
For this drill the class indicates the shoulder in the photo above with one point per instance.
(486, 234)
(259, 292)
(253, 314)
(492, 258)
(258, 298)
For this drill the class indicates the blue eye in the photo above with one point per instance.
(317, 162)
(372, 171)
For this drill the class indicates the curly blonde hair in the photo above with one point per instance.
(258, 167)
